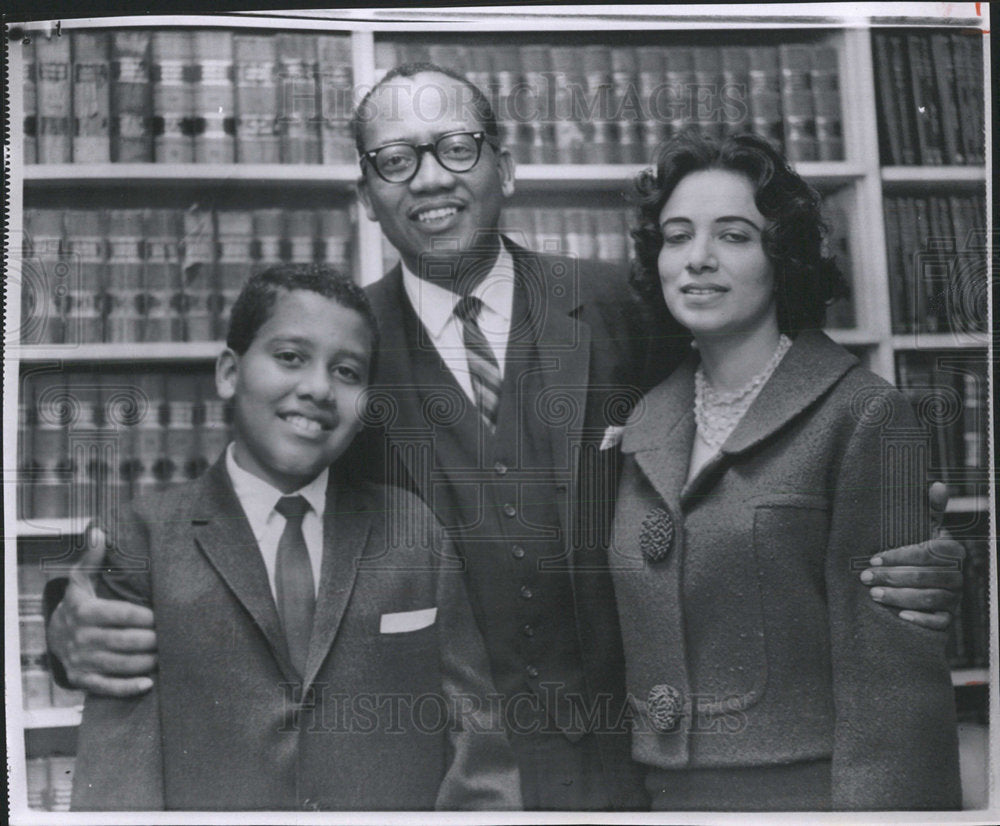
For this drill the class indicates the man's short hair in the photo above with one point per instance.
(479, 103)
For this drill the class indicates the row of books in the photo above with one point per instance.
(219, 96)
(50, 782)
(90, 442)
(188, 96)
(950, 394)
(938, 272)
(121, 275)
(559, 103)
(929, 87)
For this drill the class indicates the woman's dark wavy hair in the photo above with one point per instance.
(805, 280)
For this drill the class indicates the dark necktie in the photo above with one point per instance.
(483, 365)
(296, 594)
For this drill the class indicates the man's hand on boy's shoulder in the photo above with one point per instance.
(105, 646)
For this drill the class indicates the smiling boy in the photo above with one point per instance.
(309, 657)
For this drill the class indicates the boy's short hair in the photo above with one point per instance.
(255, 303)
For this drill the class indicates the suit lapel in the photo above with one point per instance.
(562, 341)
(346, 525)
(223, 534)
(661, 431)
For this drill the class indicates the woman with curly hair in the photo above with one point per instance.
(755, 477)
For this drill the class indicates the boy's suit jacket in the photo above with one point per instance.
(394, 714)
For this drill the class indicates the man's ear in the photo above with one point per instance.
(227, 369)
(365, 197)
(505, 167)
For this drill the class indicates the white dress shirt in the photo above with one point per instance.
(435, 307)
(258, 498)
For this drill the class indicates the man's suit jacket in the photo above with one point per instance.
(593, 344)
(392, 712)
(753, 614)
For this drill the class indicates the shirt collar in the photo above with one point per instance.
(435, 305)
(258, 498)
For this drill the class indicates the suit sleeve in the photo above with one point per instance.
(119, 765)
(482, 772)
(895, 741)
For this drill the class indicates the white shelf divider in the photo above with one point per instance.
(53, 717)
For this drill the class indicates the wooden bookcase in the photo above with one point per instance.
(860, 179)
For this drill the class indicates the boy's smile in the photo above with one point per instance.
(297, 390)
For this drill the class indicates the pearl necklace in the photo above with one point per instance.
(716, 413)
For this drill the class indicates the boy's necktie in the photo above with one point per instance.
(483, 365)
(296, 593)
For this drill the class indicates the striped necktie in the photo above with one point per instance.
(294, 587)
(483, 365)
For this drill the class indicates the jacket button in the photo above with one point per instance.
(500, 468)
(666, 707)
(510, 510)
(517, 552)
(532, 671)
(657, 535)
(526, 592)
(528, 631)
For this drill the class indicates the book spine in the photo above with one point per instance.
(568, 102)
(301, 234)
(267, 238)
(600, 147)
(161, 277)
(825, 82)
(131, 96)
(549, 232)
(903, 98)
(734, 96)
(197, 261)
(627, 108)
(909, 246)
(651, 86)
(30, 91)
(681, 87)
(37, 782)
(797, 103)
(60, 782)
(257, 139)
(612, 243)
(25, 450)
(54, 99)
(336, 82)
(580, 239)
(706, 102)
(150, 468)
(298, 104)
(236, 261)
(214, 433)
(923, 270)
(50, 441)
(214, 96)
(86, 246)
(890, 135)
(334, 240)
(504, 83)
(924, 101)
(898, 292)
(46, 278)
(534, 103)
(765, 95)
(91, 97)
(519, 225)
(944, 77)
(969, 73)
(181, 446)
(173, 96)
(126, 304)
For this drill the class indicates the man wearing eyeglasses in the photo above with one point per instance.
(502, 378)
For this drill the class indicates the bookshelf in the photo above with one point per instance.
(858, 183)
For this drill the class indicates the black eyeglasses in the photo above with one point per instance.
(397, 163)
